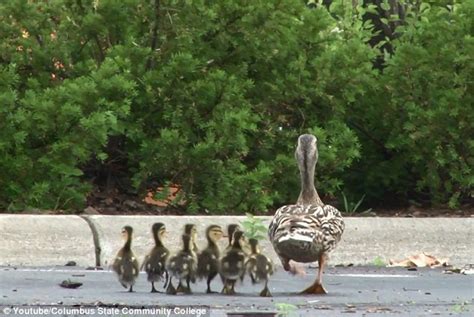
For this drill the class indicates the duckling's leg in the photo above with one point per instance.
(226, 288)
(171, 290)
(167, 279)
(209, 280)
(317, 287)
(180, 288)
(229, 287)
(252, 277)
(130, 290)
(232, 289)
(187, 290)
(266, 292)
(153, 289)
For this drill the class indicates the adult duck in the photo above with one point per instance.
(309, 230)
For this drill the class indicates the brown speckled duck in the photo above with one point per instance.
(308, 231)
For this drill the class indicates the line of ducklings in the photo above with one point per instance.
(239, 258)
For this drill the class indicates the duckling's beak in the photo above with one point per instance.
(225, 236)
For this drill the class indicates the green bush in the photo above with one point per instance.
(423, 115)
(212, 97)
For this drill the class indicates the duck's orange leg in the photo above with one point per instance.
(292, 267)
(317, 286)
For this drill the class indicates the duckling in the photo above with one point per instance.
(208, 259)
(259, 267)
(230, 234)
(155, 261)
(125, 263)
(232, 264)
(184, 265)
(191, 230)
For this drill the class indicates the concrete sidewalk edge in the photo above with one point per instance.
(89, 240)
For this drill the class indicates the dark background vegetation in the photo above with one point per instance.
(106, 98)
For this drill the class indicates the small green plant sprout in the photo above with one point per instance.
(254, 227)
(461, 307)
(285, 309)
(378, 261)
(351, 207)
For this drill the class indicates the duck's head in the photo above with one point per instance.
(191, 230)
(127, 232)
(230, 231)
(307, 151)
(159, 230)
(254, 245)
(187, 239)
(238, 239)
(214, 233)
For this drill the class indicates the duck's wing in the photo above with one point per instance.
(117, 264)
(145, 264)
(332, 225)
(135, 265)
(303, 232)
(207, 262)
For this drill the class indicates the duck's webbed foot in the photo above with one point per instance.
(170, 290)
(229, 288)
(180, 288)
(316, 288)
(265, 292)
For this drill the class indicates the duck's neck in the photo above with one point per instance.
(308, 194)
(211, 243)
(158, 242)
(236, 244)
(187, 246)
(253, 249)
(128, 244)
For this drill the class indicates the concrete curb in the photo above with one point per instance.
(40, 240)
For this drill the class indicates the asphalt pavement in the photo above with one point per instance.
(359, 291)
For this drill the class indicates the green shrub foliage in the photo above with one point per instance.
(212, 96)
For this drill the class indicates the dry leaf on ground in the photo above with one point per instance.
(419, 260)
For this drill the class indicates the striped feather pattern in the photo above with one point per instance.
(303, 232)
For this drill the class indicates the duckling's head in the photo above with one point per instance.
(214, 233)
(254, 245)
(190, 229)
(158, 229)
(127, 232)
(187, 239)
(230, 231)
(238, 239)
(307, 151)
